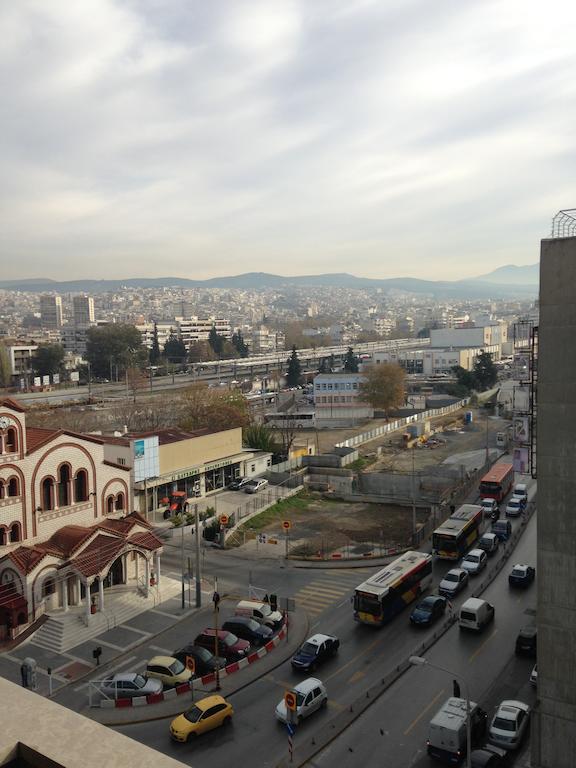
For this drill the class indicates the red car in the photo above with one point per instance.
(230, 647)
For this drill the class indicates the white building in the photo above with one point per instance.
(338, 400)
(432, 361)
(21, 360)
(484, 336)
(164, 330)
(264, 339)
(195, 329)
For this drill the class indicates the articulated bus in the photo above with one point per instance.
(497, 482)
(457, 534)
(386, 593)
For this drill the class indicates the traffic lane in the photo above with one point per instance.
(396, 726)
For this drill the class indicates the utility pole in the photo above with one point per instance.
(182, 568)
(216, 599)
(198, 583)
(487, 449)
(413, 484)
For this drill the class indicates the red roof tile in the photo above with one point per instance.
(26, 558)
(67, 539)
(146, 540)
(36, 436)
(7, 402)
(97, 555)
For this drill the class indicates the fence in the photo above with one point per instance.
(392, 426)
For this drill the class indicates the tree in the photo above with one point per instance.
(117, 343)
(174, 349)
(350, 361)
(384, 386)
(294, 372)
(135, 381)
(205, 407)
(200, 352)
(48, 359)
(466, 379)
(155, 353)
(260, 437)
(239, 344)
(484, 371)
(5, 367)
(323, 367)
(216, 341)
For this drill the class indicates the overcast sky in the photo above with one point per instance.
(426, 138)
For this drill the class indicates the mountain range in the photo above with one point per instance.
(505, 282)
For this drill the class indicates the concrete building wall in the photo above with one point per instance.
(200, 450)
(554, 726)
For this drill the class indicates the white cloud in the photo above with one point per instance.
(379, 138)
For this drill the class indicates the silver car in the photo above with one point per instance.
(509, 724)
(475, 561)
(310, 696)
(253, 486)
(129, 684)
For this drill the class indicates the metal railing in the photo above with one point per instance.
(564, 223)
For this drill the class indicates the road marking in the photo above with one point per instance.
(416, 720)
(108, 672)
(335, 705)
(344, 602)
(163, 651)
(481, 647)
(354, 659)
(357, 676)
(132, 629)
(321, 592)
(163, 613)
(112, 645)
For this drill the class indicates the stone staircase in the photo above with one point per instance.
(63, 631)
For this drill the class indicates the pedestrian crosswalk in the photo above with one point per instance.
(329, 589)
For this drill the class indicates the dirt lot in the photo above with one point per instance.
(328, 526)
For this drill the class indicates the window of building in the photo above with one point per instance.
(13, 487)
(15, 532)
(2, 491)
(253, 468)
(121, 461)
(11, 442)
(64, 486)
(81, 486)
(120, 502)
(109, 505)
(2, 536)
(329, 386)
(354, 385)
(48, 587)
(47, 493)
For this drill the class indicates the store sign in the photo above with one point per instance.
(219, 464)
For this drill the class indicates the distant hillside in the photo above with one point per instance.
(513, 275)
(477, 288)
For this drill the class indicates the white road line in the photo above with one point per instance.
(133, 629)
(109, 671)
(163, 613)
(111, 645)
(163, 651)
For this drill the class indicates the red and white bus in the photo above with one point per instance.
(386, 593)
(497, 482)
(457, 534)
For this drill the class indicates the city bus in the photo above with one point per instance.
(457, 534)
(300, 420)
(497, 482)
(386, 593)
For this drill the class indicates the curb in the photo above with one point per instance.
(172, 693)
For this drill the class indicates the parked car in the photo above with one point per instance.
(230, 647)
(310, 696)
(205, 715)
(248, 629)
(489, 542)
(455, 580)
(520, 492)
(490, 508)
(169, 670)
(490, 756)
(527, 641)
(515, 507)
(204, 660)
(521, 575)
(534, 675)
(474, 562)
(253, 486)
(126, 685)
(260, 611)
(509, 724)
(239, 483)
(428, 610)
(315, 650)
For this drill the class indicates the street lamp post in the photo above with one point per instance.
(420, 661)
(413, 484)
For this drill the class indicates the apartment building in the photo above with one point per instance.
(51, 311)
(338, 400)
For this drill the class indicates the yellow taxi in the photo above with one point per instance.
(168, 669)
(202, 716)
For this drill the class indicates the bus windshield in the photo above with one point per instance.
(487, 487)
(446, 543)
(367, 603)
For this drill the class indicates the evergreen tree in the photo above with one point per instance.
(350, 361)
(155, 354)
(484, 371)
(239, 345)
(323, 367)
(216, 341)
(175, 349)
(294, 372)
(48, 359)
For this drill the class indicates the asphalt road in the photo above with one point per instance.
(256, 739)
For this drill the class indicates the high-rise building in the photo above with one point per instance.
(51, 311)
(83, 310)
(554, 720)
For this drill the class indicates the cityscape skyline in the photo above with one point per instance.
(405, 140)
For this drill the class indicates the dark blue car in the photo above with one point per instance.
(428, 610)
(315, 650)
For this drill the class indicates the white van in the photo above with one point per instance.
(475, 614)
(261, 612)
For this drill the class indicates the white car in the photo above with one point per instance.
(253, 486)
(515, 507)
(455, 580)
(310, 696)
(509, 724)
(490, 507)
(474, 562)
